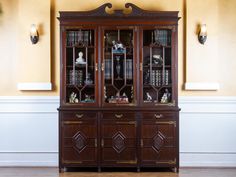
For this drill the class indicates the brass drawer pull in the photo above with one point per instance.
(125, 123)
(79, 115)
(158, 116)
(102, 143)
(73, 122)
(118, 115)
(126, 162)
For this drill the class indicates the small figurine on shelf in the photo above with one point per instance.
(149, 98)
(166, 96)
(73, 98)
(119, 99)
(88, 99)
(157, 60)
(80, 60)
(118, 47)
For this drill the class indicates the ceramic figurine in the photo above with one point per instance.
(157, 59)
(166, 97)
(80, 59)
(118, 46)
(73, 98)
(149, 98)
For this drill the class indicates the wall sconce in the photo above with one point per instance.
(202, 36)
(34, 35)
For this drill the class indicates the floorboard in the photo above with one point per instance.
(53, 172)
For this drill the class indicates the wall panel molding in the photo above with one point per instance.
(34, 86)
(201, 86)
(206, 131)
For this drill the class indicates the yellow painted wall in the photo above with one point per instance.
(20, 60)
(8, 47)
(34, 60)
(23, 62)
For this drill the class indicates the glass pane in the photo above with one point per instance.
(157, 81)
(118, 66)
(80, 66)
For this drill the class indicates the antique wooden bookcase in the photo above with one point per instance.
(118, 88)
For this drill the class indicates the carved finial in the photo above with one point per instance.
(104, 10)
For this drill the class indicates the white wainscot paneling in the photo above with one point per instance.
(207, 131)
(29, 131)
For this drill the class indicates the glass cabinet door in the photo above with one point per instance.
(118, 66)
(156, 66)
(80, 66)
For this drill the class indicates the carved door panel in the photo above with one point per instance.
(158, 143)
(118, 143)
(79, 143)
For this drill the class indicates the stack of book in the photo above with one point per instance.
(153, 77)
(76, 77)
(78, 37)
(167, 77)
(79, 77)
(163, 37)
(156, 77)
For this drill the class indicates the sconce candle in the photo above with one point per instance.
(202, 36)
(34, 35)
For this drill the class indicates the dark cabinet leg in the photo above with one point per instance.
(138, 169)
(99, 169)
(175, 170)
(61, 169)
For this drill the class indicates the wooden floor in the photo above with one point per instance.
(53, 172)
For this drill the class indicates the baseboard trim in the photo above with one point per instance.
(29, 159)
(207, 159)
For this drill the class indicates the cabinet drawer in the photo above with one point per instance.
(78, 116)
(117, 115)
(158, 115)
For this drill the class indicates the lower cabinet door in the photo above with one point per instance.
(79, 143)
(158, 143)
(118, 143)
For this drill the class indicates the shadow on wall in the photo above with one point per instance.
(0, 8)
(1, 12)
